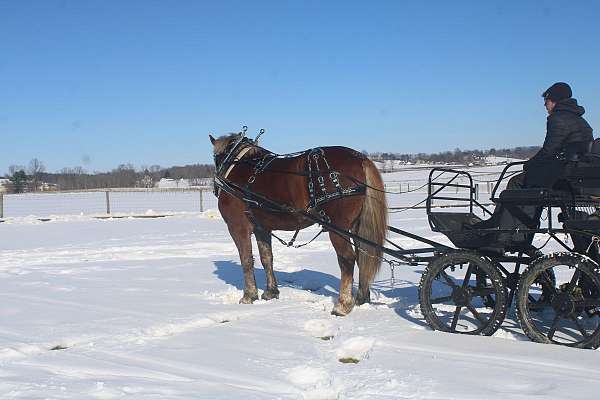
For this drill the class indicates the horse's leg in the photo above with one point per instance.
(363, 294)
(263, 238)
(346, 260)
(241, 235)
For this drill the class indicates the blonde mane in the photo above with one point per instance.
(221, 144)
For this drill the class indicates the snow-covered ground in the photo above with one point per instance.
(148, 309)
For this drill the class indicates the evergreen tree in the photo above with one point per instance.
(19, 181)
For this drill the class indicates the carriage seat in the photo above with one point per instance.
(466, 230)
(516, 208)
(534, 196)
(523, 196)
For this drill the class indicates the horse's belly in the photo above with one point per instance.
(280, 221)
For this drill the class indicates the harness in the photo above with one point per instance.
(317, 171)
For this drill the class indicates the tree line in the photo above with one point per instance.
(35, 178)
(457, 156)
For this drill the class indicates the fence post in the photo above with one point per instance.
(201, 200)
(1, 205)
(107, 202)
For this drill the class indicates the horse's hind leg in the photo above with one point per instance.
(243, 242)
(363, 294)
(263, 238)
(346, 260)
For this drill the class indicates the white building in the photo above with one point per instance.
(168, 183)
(4, 184)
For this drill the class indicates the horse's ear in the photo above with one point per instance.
(212, 139)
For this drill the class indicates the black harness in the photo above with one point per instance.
(317, 171)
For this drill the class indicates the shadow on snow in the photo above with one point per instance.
(324, 284)
(316, 282)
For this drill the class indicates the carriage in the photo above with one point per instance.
(557, 296)
(466, 288)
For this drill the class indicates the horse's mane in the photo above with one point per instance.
(222, 142)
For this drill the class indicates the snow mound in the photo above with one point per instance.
(315, 383)
(171, 329)
(321, 328)
(212, 214)
(355, 349)
(229, 296)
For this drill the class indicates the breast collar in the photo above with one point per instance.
(219, 179)
(237, 158)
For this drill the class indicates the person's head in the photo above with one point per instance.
(555, 93)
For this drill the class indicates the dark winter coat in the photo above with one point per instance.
(567, 133)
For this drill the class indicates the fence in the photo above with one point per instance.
(198, 199)
(107, 202)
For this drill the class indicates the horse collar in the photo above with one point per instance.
(232, 164)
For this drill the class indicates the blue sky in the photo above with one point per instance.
(99, 83)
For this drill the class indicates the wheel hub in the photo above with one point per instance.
(461, 296)
(563, 304)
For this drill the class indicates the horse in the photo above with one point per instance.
(337, 184)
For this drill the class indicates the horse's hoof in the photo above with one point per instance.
(248, 299)
(270, 294)
(360, 300)
(341, 310)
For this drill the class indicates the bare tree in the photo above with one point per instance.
(15, 168)
(36, 167)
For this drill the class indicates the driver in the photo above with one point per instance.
(568, 136)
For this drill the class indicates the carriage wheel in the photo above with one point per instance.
(463, 292)
(564, 309)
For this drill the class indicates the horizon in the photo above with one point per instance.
(141, 168)
(97, 84)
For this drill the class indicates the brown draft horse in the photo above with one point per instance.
(286, 181)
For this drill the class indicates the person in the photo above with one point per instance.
(568, 137)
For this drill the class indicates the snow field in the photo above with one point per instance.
(148, 309)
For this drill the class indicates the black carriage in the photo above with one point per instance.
(470, 288)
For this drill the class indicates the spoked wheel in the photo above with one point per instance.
(558, 301)
(463, 292)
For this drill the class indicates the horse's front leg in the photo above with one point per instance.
(263, 238)
(241, 235)
(346, 260)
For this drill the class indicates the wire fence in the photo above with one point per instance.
(107, 202)
(402, 194)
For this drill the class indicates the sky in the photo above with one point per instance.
(101, 83)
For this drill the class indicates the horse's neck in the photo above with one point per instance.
(256, 152)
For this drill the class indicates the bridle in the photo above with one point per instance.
(234, 152)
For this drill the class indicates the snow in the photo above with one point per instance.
(147, 308)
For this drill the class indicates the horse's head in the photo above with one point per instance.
(224, 146)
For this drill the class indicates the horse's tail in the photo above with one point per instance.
(372, 224)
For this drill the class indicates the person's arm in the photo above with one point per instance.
(557, 132)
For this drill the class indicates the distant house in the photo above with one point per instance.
(48, 187)
(4, 185)
(169, 183)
